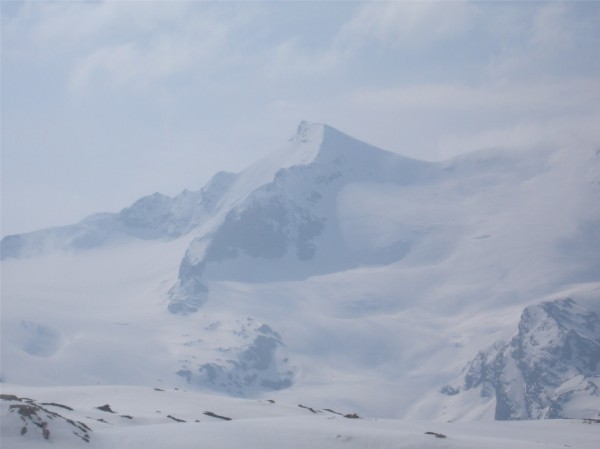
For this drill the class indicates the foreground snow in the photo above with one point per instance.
(137, 417)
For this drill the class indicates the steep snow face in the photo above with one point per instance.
(284, 223)
(301, 149)
(549, 369)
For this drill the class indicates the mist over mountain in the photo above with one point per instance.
(333, 273)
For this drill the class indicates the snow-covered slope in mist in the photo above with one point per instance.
(155, 216)
(335, 274)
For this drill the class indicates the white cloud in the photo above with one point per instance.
(199, 45)
(552, 28)
(576, 131)
(436, 121)
(541, 98)
(406, 23)
(72, 22)
(138, 63)
(124, 43)
(553, 40)
(289, 58)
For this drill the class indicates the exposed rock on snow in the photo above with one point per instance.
(552, 363)
(36, 422)
(243, 422)
(249, 369)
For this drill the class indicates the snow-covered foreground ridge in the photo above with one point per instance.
(148, 418)
(335, 274)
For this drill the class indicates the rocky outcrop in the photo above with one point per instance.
(35, 422)
(248, 369)
(551, 364)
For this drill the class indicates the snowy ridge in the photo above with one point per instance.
(155, 216)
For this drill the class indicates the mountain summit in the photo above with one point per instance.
(280, 221)
(158, 216)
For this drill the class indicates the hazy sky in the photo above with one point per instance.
(104, 102)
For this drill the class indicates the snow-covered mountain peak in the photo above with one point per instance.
(321, 143)
(308, 132)
(301, 149)
(285, 208)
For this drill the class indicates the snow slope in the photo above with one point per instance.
(134, 417)
(334, 274)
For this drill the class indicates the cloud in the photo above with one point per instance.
(290, 58)
(547, 40)
(131, 44)
(406, 23)
(231, 80)
(541, 98)
(436, 121)
(399, 25)
(75, 23)
(138, 62)
(576, 131)
(551, 28)
(197, 44)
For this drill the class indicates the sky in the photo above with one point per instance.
(103, 102)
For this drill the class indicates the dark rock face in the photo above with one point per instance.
(553, 360)
(265, 229)
(187, 296)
